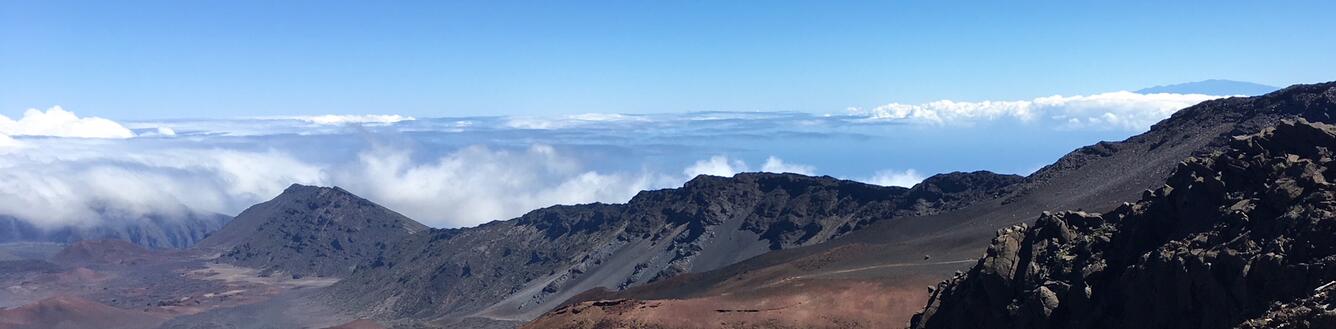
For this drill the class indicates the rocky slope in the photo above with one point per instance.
(516, 269)
(904, 254)
(153, 231)
(310, 230)
(1239, 237)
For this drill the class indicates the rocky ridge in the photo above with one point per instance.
(1237, 238)
(514, 270)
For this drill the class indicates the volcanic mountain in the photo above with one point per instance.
(887, 263)
(1212, 87)
(310, 230)
(1243, 237)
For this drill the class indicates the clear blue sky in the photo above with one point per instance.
(201, 59)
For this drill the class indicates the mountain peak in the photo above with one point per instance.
(311, 230)
(313, 190)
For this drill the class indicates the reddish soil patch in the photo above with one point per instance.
(359, 324)
(75, 312)
(795, 304)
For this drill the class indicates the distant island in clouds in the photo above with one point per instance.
(1212, 87)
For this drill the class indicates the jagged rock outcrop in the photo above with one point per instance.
(310, 230)
(517, 269)
(1242, 237)
(953, 190)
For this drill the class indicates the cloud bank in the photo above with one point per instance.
(63, 185)
(777, 165)
(7, 142)
(1115, 110)
(478, 183)
(466, 187)
(56, 122)
(718, 165)
(337, 120)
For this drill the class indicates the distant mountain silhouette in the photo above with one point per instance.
(1212, 87)
(152, 231)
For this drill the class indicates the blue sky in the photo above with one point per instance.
(458, 113)
(210, 59)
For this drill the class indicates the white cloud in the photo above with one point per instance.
(905, 178)
(534, 123)
(777, 165)
(57, 122)
(478, 184)
(605, 117)
(718, 165)
(69, 183)
(1115, 110)
(338, 120)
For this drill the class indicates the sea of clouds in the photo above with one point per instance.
(59, 169)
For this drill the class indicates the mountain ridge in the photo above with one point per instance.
(902, 255)
(516, 269)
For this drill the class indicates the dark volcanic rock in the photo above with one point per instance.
(516, 269)
(152, 231)
(1243, 237)
(310, 230)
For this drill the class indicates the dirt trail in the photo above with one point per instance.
(867, 268)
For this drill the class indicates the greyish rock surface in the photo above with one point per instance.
(310, 230)
(1239, 238)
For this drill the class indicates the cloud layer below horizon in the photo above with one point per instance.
(59, 169)
(1122, 110)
